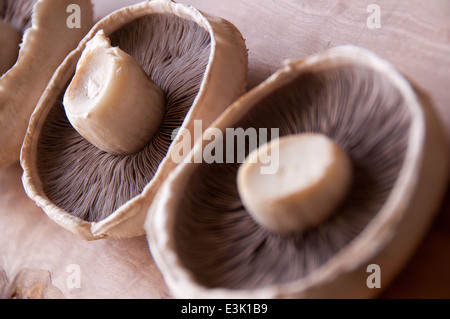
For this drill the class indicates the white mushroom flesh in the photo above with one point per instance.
(312, 179)
(111, 101)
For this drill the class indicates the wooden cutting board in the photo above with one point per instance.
(40, 259)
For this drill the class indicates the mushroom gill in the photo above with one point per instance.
(17, 13)
(90, 183)
(215, 237)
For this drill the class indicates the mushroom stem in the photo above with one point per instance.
(10, 40)
(111, 101)
(312, 179)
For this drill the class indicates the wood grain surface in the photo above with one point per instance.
(37, 257)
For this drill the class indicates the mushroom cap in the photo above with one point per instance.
(45, 43)
(198, 60)
(207, 245)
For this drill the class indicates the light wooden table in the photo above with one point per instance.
(39, 259)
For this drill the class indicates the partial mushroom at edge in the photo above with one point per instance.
(45, 40)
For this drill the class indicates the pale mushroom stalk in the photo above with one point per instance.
(312, 179)
(111, 101)
(10, 39)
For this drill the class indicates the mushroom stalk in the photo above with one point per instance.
(111, 101)
(312, 179)
(10, 40)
